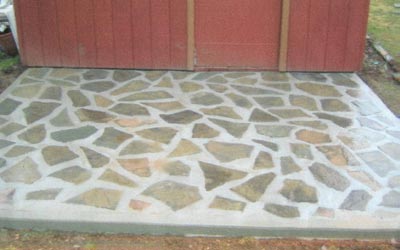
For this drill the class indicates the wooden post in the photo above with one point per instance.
(283, 53)
(190, 34)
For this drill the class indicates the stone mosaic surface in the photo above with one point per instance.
(276, 145)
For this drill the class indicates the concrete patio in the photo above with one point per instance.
(221, 153)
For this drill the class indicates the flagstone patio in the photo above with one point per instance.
(222, 149)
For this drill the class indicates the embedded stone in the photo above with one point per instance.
(140, 147)
(75, 134)
(137, 85)
(54, 155)
(165, 106)
(282, 211)
(267, 144)
(175, 195)
(217, 79)
(139, 205)
(313, 137)
(299, 191)
(176, 168)
(302, 151)
(76, 175)
(187, 87)
(367, 107)
(185, 147)
(254, 91)
(130, 109)
(325, 212)
(318, 89)
(246, 81)
(378, 162)
(315, 77)
(96, 160)
(52, 93)
(203, 75)
(112, 138)
(269, 101)
(61, 83)
(114, 177)
(289, 113)
(391, 199)
(391, 149)
(18, 151)
(202, 130)
(254, 188)
(5, 143)
(29, 91)
(240, 101)
(163, 135)
(183, 117)
(218, 87)
(8, 106)
(274, 131)
(274, 77)
(356, 200)
(48, 194)
(339, 79)
(365, 179)
(216, 176)
(95, 74)
(227, 152)
(146, 96)
(98, 87)
(34, 135)
(139, 167)
(233, 128)
(39, 110)
(263, 161)
(337, 155)
(330, 177)
(11, 128)
(28, 80)
(125, 75)
(87, 115)
(334, 105)
(394, 182)
(340, 121)
(78, 99)
(166, 82)
(3, 162)
(311, 124)
(259, 115)
(221, 111)
(394, 133)
(102, 102)
(288, 165)
(179, 75)
(372, 124)
(279, 86)
(38, 72)
(236, 75)
(303, 102)
(227, 204)
(26, 171)
(154, 75)
(98, 197)
(62, 119)
(206, 99)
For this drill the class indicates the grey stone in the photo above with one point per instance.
(5, 143)
(75, 134)
(233, 128)
(227, 204)
(165, 106)
(259, 115)
(254, 188)
(29, 91)
(147, 96)
(38, 110)
(54, 155)
(112, 138)
(52, 93)
(274, 131)
(303, 102)
(254, 91)
(339, 79)
(334, 105)
(204, 75)
(330, 177)
(188, 87)
(179, 75)
(139, 147)
(62, 120)
(391, 199)
(76, 175)
(139, 167)
(218, 87)
(366, 107)
(3, 162)
(269, 101)
(394, 133)
(274, 76)
(378, 162)
(78, 99)
(311, 124)
(61, 83)
(202, 130)
(394, 182)
(237, 75)
(246, 81)
(289, 113)
(372, 124)
(8, 106)
(26, 171)
(315, 77)
(133, 86)
(18, 151)
(216, 176)
(114, 177)
(282, 211)
(302, 151)
(87, 115)
(271, 145)
(206, 99)
(217, 79)
(177, 168)
(165, 82)
(99, 86)
(48, 194)
(96, 160)
(227, 152)
(130, 109)
(240, 101)
(11, 128)
(312, 137)
(222, 111)
(154, 75)
(185, 147)
(318, 89)
(183, 117)
(163, 135)
(95, 74)
(39, 73)
(98, 197)
(288, 165)
(279, 86)
(264, 161)
(356, 200)
(125, 75)
(391, 149)
(338, 155)
(28, 80)
(299, 191)
(34, 135)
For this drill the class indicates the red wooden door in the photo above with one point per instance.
(237, 34)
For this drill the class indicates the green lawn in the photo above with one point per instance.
(6, 62)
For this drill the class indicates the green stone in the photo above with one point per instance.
(64, 72)
(163, 135)
(341, 80)
(137, 85)
(216, 176)
(217, 79)
(139, 147)
(54, 155)
(288, 165)
(236, 75)
(254, 188)
(246, 81)
(259, 115)
(315, 77)
(130, 109)
(263, 161)
(235, 129)
(18, 151)
(75, 134)
(188, 87)
(62, 120)
(183, 117)
(204, 75)
(95, 74)
(112, 138)
(319, 89)
(269, 101)
(29, 91)
(202, 130)
(78, 99)
(279, 86)
(125, 75)
(96, 160)
(334, 105)
(76, 175)
(166, 82)
(11, 128)
(52, 93)
(87, 115)
(282, 211)
(299, 191)
(228, 152)
(114, 177)
(222, 111)
(274, 131)
(303, 102)
(254, 91)
(39, 73)
(48, 194)
(143, 96)
(8, 106)
(98, 87)
(274, 77)
(102, 101)
(179, 75)
(28, 80)
(38, 110)
(154, 75)
(26, 171)
(98, 197)
(240, 101)
(227, 204)
(206, 99)
(218, 87)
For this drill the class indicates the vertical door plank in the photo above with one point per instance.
(50, 39)
(141, 10)
(122, 20)
(178, 24)
(67, 33)
(86, 32)
(103, 20)
(283, 52)
(160, 30)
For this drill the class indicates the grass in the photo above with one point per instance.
(7, 62)
(384, 25)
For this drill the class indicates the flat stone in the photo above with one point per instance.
(391, 199)
(206, 99)
(3, 162)
(54, 155)
(222, 111)
(218, 87)
(227, 152)
(140, 147)
(6, 197)
(254, 188)
(125, 75)
(365, 179)
(259, 115)
(335, 154)
(264, 161)
(88, 115)
(303, 102)
(246, 81)
(302, 151)
(133, 86)
(76, 79)
(184, 148)
(240, 101)
(269, 101)
(274, 77)
(135, 122)
(366, 107)
(130, 109)
(63, 72)
(154, 75)
(102, 101)
(274, 131)
(26, 171)
(95, 74)
(372, 124)
(325, 212)
(62, 119)
(28, 80)
(146, 96)
(282, 211)
(216, 176)
(166, 106)
(139, 205)
(38, 110)
(112, 138)
(235, 129)
(48, 194)
(165, 82)
(318, 89)
(29, 91)
(96, 160)
(78, 99)
(179, 75)
(354, 141)
(314, 77)
(289, 113)
(394, 133)
(378, 162)
(356, 200)
(75, 134)
(163, 135)
(202, 130)
(76, 175)
(38, 72)
(98, 86)
(313, 137)
(394, 182)
(270, 145)
(5, 143)
(176, 168)
(203, 75)
(288, 165)
(330, 177)
(341, 80)
(254, 91)
(3, 121)
(227, 204)
(114, 177)
(353, 93)
(52, 93)
(11, 128)
(217, 79)
(175, 195)
(391, 149)
(98, 197)
(279, 86)
(334, 105)
(18, 151)
(188, 87)
(34, 135)
(311, 124)
(299, 191)
(139, 167)
(61, 83)
(183, 117)
(236, 75)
